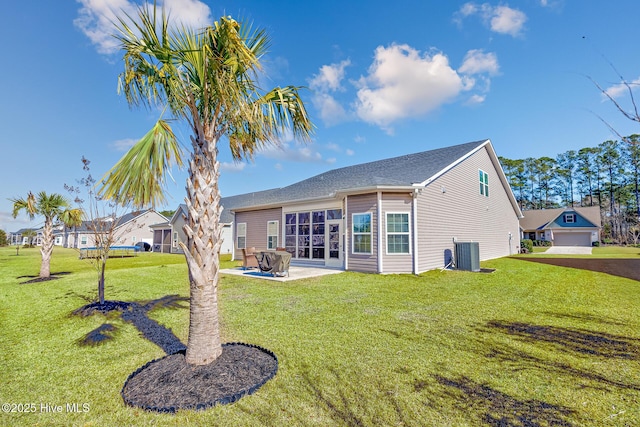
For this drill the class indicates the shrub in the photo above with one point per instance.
(596, 243)
(527, 244)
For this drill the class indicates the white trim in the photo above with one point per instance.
(347, 232)
(238, 235)
(484, 185)
(277, 223)
(353, 234)
(379, 232)
(414, 210)
(452, 165)
(386, 233)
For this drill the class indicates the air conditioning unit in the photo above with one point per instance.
(468, 256)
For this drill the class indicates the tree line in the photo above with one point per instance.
(607, 176)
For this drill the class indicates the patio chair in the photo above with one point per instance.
(249, 259)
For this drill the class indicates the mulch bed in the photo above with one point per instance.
(629, 268)
(170, 383)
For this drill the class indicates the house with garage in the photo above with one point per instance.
(129, 229)
(397, 215)
(571, 226)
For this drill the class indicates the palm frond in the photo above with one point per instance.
(139, 176)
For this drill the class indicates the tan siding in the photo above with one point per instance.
(452, 206)
(257, 227)
(362, 204)
(396, 203)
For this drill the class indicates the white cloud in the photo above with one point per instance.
(96, 18)
(404, 83)
(616, 91)
(505, 20)
(476, 62)
(298, 154)
(349, 152)
(475, 99)
(331, 111)
(500, 19)
(329, 79)
(124, 144)
(232, 166)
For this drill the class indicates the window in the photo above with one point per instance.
(484, 183)
(361, 233)
(175, 239)
(83, 240)
(133, 239)
(317, 234)
(242, 235)
(397, 233)
(570, 218)
(272, 234)
(290, 233)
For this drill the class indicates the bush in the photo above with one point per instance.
(527, 244)
(541, 243)
(596, 243)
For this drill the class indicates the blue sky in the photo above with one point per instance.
(383, 78)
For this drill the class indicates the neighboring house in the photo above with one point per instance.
(19, 237)
(563, 226)
(131, 228)
(398, 215)
(167, 235)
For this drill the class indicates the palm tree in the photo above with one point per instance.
(54, 208)
(207, 78)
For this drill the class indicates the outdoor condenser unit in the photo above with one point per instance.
(468, 256)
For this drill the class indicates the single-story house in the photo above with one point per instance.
(397, 215)
(571, 226)
(130, 229)
(166, 235)
(21, 237)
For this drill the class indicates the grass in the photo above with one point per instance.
(530, 344)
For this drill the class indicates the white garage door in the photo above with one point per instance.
(572, 239)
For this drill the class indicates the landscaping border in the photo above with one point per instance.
(224, 400)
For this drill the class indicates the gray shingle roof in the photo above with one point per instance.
(403, 170)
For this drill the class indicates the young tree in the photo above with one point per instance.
(208, 79)
(53, 207)
(3, 238)
(102, 221)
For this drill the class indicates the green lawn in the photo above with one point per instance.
(529, 344)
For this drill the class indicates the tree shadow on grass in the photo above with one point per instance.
(37, 279)
(571, 341)
(500, 409)
(340, 400)
(136, 313)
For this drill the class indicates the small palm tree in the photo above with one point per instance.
(54, 208)
(208, 79)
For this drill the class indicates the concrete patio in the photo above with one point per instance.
(295, 273)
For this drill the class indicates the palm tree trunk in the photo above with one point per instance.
(204, 234)
(47, 248)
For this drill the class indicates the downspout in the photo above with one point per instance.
(379, 229)
(414, 213)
